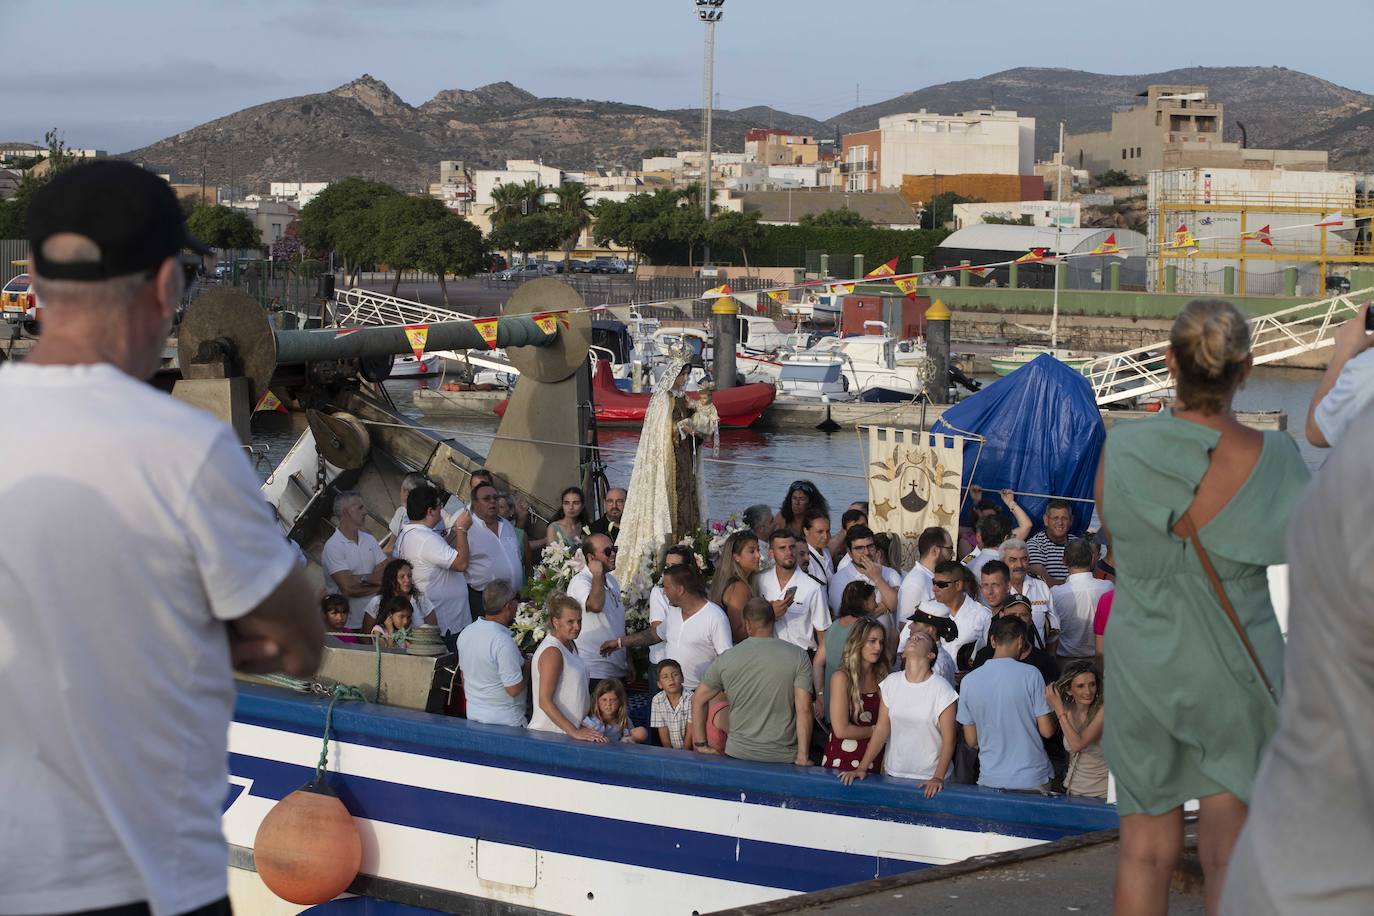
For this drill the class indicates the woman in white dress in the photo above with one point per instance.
(915, 721)
(561, 699)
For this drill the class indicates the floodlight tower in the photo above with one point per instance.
(709, 12)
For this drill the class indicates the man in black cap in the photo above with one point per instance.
(155, 561)
(1031, 653)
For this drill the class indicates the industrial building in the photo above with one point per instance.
(983, 243)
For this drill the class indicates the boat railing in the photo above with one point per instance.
(358, 306)
(1276, 336)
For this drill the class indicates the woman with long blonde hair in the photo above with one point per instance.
(733, 584)
(1076, 698)
(853, 695)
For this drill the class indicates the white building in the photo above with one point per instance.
(920, 143)
(298, 193)
(1039, 213)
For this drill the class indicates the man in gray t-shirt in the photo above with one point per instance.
(767, 682)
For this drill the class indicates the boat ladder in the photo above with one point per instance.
(365, 307)
(1273, 337)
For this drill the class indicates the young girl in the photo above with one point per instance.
(394, 628)
(609, 713)
(335, 611)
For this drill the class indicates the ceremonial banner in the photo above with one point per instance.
(1262, 235)
(913, 480)
(270, 402)
(883, 270)
(487, 327)
(417, 334)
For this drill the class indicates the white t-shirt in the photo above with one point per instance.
(658, 613)
(1353, 391)
(492, 557)
(399, 520)
(420, 608)
(136, 523)
(980, 559)
(915, 589)
(821, 564)
(944, 662)
(972, 620)
(1075, 604)
(447, 589)
(359, 557)
(598, 628)
(697, 641)
(804, 616)
(490, 661)
(848, 572)
(913, 749)
(1037, 591)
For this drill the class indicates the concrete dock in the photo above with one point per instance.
(1069, 876)
(799, 415)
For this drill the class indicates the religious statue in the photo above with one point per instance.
(664, 502)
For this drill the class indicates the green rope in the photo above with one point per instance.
(345, 692)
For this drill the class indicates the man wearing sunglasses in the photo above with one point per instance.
(950, 601)
(932, 547)
(116, 728)
(603, 612)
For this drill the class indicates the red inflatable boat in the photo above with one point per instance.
(738, 407)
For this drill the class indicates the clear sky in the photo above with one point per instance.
(117, 75)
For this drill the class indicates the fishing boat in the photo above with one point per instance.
(460, 817)
(876, 367)
(739, 407)
(1008, 362)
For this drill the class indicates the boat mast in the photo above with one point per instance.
(1058, 234)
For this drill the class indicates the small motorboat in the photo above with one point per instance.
(738, 407)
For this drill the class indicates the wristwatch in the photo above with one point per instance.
(701, 744)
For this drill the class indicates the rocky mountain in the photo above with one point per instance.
(363, 128)
(1279, 107)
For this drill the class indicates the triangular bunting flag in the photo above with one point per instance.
(344, 332)
(1034, 256)
(1334, 221)
(1262, 235)
(487, 327)
(907, 286)
(779, 295)
(841, 289)
(1183, 239)
(546, 322)
(1108, 246)
(722, 291)
(417, 334)
(883, 270)
(978, 270)
(270, 402)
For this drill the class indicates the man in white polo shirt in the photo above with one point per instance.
(968, 615)
(438, 567)
(352, 558)
(603, 612)
(798, 602)
(493, 549)
(1075, 602)
(494, 676)
(1046, 623)
(933, 545)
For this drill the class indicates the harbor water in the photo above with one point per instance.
(756, 466)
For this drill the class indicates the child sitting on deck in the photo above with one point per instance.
(671, 710)
(610, 713)
(394, 626)
(335, 611)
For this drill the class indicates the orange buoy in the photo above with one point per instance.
(308, 849)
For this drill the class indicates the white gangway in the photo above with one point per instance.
(355, 307)
(1275, 336)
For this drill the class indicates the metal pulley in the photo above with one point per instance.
(340, 438)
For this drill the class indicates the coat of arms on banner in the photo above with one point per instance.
(913, 480)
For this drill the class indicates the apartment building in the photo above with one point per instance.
(921, 143)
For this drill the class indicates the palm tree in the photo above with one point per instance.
(507, 201)
(575, 214)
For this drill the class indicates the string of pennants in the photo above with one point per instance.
(417, 335)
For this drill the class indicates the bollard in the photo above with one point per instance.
(963, 274)
(1011, 275)
(825, 266)
(1114, 275)
(725, 323)
(1290, 281)
(937, 349)
(1171, 278)
(1228, 280)
(918, 264)
(858, 266)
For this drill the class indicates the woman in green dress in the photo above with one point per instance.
(1190, 713)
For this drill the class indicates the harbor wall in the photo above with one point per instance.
(1099, 303)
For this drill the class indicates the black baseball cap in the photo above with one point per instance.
(132, 216)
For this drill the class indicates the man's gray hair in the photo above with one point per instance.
(115, 292)
(759, 512)
(411, 481)
(1010, 544)
(496, 596)
(345, 499)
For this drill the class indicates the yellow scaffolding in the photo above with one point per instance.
(1353, 207)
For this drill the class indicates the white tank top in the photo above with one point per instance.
(570, 696)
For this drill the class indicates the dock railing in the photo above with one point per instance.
(358, 306)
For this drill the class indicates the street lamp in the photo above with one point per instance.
(709, 12)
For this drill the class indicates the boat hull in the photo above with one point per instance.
(1006, 364)
(466, 812)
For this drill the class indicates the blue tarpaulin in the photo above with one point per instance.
(1043, 434)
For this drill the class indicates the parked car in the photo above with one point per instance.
(18, 303)
(609, 266)
(1335, 283)
(574, 266)
(528, 271)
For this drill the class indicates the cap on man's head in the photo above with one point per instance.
(1017, 599)
(947, 629)
(131, 215)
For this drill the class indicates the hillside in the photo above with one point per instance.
(1279, 107)
(363, 128)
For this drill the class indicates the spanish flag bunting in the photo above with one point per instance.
(841, 289)
(1034, 256)
(1334, 221)
(417, 334)
(883, 270)
(1261, 235)
(1183, 239)
(907, 286)
(779, 295)
(487, 327)
(720, 292)
(271, 403)
(1108, 246)
(546, 322)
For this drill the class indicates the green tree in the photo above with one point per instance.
(842, 218)
(340, 219)
(223, 228)
(993, 220)
(574, 213)
(655, 152)
(729, 231)
(658, 227)
(14, 212)
(942, 208)
(544, 231)
(452, 245)
(1113, 178)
